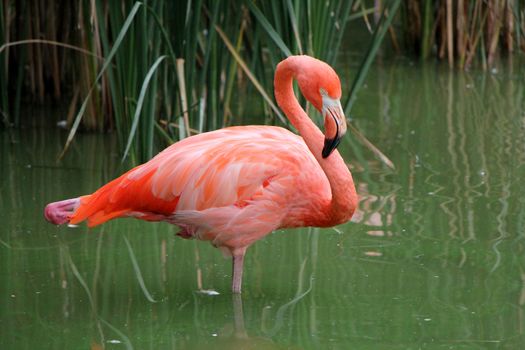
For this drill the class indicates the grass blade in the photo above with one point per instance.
(293, 20)
(381, 29)
(182, 92)
(370, 145)
(249, 74)
(269, 29)
(49, 42)
(114, 49)
(140, 102)
(379, 33)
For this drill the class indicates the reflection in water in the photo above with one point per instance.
(375, 211)
(235, 336)
(456, 199)
(434, 257)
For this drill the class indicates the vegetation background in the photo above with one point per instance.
(154, 72)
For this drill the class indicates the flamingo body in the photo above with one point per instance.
(236, 185)
(230, 186)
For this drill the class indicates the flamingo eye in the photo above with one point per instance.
(323, 92)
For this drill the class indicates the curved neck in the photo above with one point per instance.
(344, 197)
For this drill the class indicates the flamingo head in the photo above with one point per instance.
(320, 85)
(334, 122)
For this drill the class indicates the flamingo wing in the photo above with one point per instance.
(218, 183)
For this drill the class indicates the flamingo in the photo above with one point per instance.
(235, 185)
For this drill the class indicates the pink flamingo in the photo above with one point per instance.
(236, 185)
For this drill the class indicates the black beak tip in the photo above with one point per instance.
(329, 146)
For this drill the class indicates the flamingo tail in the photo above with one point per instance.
(59, 213)
(88, 207)
(96, 208)
(122, 197)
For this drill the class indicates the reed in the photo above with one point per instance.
(315, 28)
(156, 72)
(465, 32)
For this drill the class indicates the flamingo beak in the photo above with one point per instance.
(335, 124)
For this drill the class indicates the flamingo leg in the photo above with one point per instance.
(238, 261)
(238, 317)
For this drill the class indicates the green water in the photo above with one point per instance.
(435, 259)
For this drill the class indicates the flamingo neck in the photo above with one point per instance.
(344, 197)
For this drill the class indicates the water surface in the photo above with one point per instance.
(434, 259)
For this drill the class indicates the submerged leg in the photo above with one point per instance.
(238, 317)
(238, 260)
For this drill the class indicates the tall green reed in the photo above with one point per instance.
(192, 89)
(292, 27)
(156, 72)
(315, 28)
